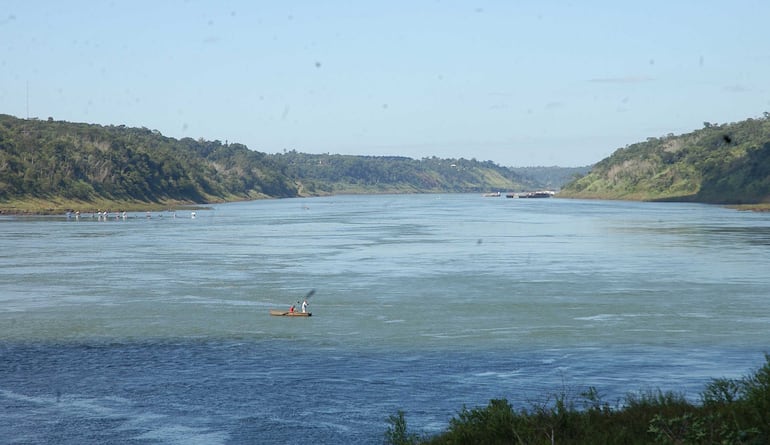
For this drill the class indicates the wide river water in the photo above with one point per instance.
(156, 330)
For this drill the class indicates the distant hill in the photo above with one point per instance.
(57, 163)
(551, 178)
(324, 174)
(719, 164)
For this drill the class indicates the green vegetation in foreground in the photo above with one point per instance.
(731, 412)
(718, 164)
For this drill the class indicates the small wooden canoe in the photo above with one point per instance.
(279, 313)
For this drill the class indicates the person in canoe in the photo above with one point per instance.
(304, 306)
(291, 309)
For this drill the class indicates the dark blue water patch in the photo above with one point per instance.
(284, 392)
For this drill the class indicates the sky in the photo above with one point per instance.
(519, 83)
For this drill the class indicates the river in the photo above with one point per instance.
(154, 328)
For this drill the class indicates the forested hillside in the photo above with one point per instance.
(59, 164)
(720, 164)
(377, 174)
(86, 162)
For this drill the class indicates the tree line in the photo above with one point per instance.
(82, 162)
(334, 173)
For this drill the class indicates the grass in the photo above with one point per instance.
(730, 412)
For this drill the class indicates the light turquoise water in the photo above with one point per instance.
(422, 302)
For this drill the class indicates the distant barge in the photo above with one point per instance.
(541, 194)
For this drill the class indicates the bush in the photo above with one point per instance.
(397, 433)
(731, 412)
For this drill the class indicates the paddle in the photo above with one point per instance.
(307, 296)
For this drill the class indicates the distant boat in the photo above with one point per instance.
(538, 195)
(541, 194)
(280, 313)
(492, 195)
(291, 312)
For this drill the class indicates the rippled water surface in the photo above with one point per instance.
(156, 330)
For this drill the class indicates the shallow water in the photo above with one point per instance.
(156, 330)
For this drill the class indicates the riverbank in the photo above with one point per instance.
(760, 207)
(765, 207)
(58, 206)
(41, 207)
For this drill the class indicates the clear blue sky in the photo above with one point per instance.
(519, 83)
